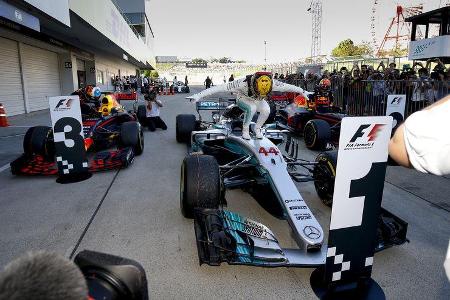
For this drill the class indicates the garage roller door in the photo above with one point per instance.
(41, 76)
(11, 93)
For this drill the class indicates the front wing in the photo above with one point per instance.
(224, 236)
(100, 161)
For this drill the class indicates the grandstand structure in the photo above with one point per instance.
(218, 71)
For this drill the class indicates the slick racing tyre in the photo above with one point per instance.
(131, 135)
(185, 124)
(38, 140)
(141, 114)
(324, 175)
(316, 134)
(199, 184)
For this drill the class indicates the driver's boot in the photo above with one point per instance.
(246, 133)
(258, 132)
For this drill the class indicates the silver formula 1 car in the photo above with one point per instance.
(219, 158)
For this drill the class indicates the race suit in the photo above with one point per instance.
(249, 104)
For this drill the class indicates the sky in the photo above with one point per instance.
(238, 28)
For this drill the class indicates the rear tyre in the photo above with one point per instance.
(199, 184)
(131, 135)
(37, 140)
(185, 124)
(141, 114)
(316, 134)
(324, 175)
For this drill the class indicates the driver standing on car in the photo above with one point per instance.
(251, 94)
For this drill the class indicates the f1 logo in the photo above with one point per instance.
(362, 131)
(64, 104)
(359, 133)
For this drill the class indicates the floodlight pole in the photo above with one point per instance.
(265, 55)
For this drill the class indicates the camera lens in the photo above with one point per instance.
(112, 277)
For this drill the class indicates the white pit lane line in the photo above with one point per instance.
(4, 168)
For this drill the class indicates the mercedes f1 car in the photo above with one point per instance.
(219, 159)
(180, 87)
(106, 124)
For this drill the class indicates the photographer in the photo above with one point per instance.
(153, 119)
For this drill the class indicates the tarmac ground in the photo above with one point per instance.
(135, 213)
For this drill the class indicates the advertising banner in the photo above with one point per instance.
(56, 9)
(19, 16)
(68, 135)
(359, 183)
(396, 109)
(429, 48)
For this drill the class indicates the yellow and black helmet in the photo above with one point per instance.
(260, 84)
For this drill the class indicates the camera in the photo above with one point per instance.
(92, 275)
(112, 277)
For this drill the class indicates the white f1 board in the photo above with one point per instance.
(359, 183)
(68, 135)
(396, 109)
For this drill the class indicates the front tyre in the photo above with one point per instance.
(39, 140)
(316, 134)
(199, 184)
(324, 175)
(131, 135)
(185, 124)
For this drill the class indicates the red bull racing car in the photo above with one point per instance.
(106, 125)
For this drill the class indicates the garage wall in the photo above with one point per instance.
(41, 76)
(11, 92)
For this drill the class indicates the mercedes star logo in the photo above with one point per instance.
(312, 232)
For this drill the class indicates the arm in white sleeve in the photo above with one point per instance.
(427, 141)
(233, 86)
(279, 86)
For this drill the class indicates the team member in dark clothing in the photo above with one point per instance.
(208, 82)
(153, 120)
(322, 98)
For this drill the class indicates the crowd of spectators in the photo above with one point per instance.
(363, 89)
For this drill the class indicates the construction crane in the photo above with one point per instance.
(315, 8)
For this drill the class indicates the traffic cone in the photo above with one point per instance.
(3, 119)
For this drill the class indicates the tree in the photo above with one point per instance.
(348, 48)
(225, 60)
(151, 73)
(395, 52)
(198, 60)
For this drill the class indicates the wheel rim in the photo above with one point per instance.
(309, 135)
(322, 179)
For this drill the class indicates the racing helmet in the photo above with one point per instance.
(325, 84)
(108, 103)
(88, 90)
(96, 92)
(261, 83)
